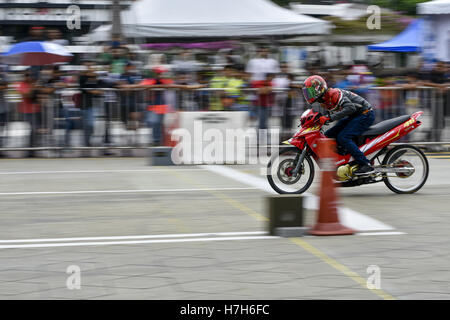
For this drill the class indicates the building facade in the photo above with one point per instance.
(70, 18)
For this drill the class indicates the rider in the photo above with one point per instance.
(354, 113)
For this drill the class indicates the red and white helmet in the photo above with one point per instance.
(314, 87)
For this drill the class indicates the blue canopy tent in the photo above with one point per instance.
(409, 40)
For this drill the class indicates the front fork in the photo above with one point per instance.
(299, 160)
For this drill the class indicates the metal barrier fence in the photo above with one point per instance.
(74, 118)
(391, 102)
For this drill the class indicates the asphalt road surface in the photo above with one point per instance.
(117, 228)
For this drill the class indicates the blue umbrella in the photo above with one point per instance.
(36, 53)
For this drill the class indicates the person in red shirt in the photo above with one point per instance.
(30, 108)
(157, 106)
(265, 99)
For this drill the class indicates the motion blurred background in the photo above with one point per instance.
(139, 66)
(113, 79)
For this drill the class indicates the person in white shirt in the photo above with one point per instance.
(186, 64)
(281, 84)
(259, 67)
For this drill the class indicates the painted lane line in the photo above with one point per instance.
(387, 233)
(242, 177)
(348, 217)
(92, 171)
(340, 267)
(175, 235)
(120, 191)
(107, 243)
(153, 236)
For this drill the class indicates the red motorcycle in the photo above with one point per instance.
(403, 168)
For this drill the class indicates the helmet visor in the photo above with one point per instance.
(309, 94)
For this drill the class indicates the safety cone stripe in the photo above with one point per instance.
(327, 216)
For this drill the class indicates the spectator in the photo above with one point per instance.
(388, 98)
(233, 99)
(71, 102)
(219, 81)
(439, 77)
(3, 109)
(55, 36)
(157, 103)
(265, 99)
(89, 86)
(440, 81)
(285, 99)
(30, 109)
(36, 34)
(157, 60)
(281, 84)
(131, 112)
(186, 99)
(186, 65)
(234, 60)
(259, 67)
(118, 60)
(110, 97)
(411, 94)
(423, 72)
(343, 80)
(50, 83)
(243, 102)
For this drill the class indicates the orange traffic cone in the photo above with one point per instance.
(327, 217)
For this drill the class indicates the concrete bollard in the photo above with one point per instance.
(161, 156)
(286, 215)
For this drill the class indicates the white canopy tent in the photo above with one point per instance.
(434, 7)
(436, 38)
(211, 18)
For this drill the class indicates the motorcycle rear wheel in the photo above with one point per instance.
(406, 155)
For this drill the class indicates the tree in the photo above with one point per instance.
(283, 3)
(405, 6)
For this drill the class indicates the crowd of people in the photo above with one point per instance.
(124, 88)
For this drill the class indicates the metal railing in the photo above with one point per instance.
(396, 101)
(124, 119)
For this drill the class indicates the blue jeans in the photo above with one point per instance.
(263, 113)
(348, 128)
(155, 121)
(88, 125)
(72, 122)
(3, 123)
(35, 121)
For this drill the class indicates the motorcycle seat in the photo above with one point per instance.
(385, 126)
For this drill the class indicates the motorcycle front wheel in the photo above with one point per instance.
(279, 172)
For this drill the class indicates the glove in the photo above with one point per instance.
(324, 120)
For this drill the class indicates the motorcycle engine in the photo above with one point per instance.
(345, 172)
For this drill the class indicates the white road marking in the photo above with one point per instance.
(242, 177)
(348, 217)
(107, 243)
(359, 221)
(148, 239)
(388, 233)
(94, 171)
(153, 236)
(119, 191)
